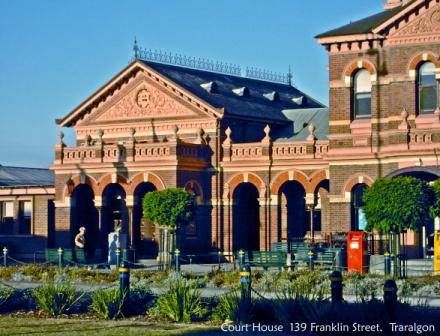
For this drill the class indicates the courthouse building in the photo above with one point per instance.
(267, 162)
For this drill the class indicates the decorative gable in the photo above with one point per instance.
(143, 101)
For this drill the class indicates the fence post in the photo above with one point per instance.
(336, 287)
(60, 257)
(118, 257)
(177, 257)
(310, 255)
(245, 284)
(5, 256)
(387, 263)
(241, 258)
(124, 284)
(390, 297)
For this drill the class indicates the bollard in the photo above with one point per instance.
(177, 261)
(241, 258)
(60, 257)
(124, 285)
(245, 284)
(118, 257)
(387, 263)
(310, 255)
(336, 287)
(5, 256)
(390, 297)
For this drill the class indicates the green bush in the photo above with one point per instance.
(140, 300)
(57, 296)
(180, 303)
(107, 303)
(6, 293)
(229, 308)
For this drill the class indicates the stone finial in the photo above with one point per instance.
(393, 4)
(175, 131)
(228, 133)
(200, 140)
(60, 138)
(132, 133)
(311, 128)
(100, 134)
(266, 138)
(88, 140)
(404, 124)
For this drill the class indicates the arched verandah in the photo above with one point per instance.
(144, 235)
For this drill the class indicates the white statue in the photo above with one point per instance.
(80, 238)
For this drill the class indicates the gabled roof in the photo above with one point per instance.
(222, 100)
(252, 105)
(366, 25)
(301, 119)
(25, 177)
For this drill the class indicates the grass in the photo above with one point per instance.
(71, 327)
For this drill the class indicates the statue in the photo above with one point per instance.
(80, 238)
(114, 242)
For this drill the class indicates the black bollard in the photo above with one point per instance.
(60, 257)
(241, 258)
(5, 256)
(124, 285)
(245, 284)
(336, 287)
(387, 263)
(118, 257)
(311, 263)
(390, 298)
(177, 259)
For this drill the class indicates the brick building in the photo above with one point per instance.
(267, 162)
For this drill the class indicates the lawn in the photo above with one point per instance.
(36, 326)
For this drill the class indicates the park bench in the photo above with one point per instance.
(326, 259)
(266, 259)
(69, 256)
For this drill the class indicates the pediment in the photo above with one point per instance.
(141, 100)
(420, 26)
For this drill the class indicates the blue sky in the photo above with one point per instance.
(54, 54)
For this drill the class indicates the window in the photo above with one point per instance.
(25, 214)
(7, 218)
(357, 202)
(362, 94)
(427, 93)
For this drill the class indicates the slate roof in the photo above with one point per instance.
(21, 177)
(254, 105)
(365, 25)
(301, 119)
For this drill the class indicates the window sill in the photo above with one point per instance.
(361, 126)
(427, 120)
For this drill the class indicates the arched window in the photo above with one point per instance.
(357, 202)
(362, 94)
(427, 93)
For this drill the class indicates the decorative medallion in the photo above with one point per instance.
(143, 98)
(435, 18)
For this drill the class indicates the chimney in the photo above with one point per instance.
(390, 4)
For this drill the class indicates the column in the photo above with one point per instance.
(263, 224)
(310, 205)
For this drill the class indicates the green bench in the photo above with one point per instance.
(325, 259)
(266, 259)
(69, 256)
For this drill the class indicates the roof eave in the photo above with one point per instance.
(404, 11)
(348, 38)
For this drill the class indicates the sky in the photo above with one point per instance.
(56, 53)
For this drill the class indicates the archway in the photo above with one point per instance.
(292, 214)
(321, 207)
(84, 214)
(356, 204)
(144, 238)
(114, 213)
(246, 218)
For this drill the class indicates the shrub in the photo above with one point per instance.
(56, 297)
(140, 300)
(180, 303)
(107, 303)
(6, 294)
(311, 285)
(229, 308)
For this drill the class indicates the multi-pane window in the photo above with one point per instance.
(427, 93)
(25, 208)
(6, 217)
(362, 94)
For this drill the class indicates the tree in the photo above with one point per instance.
(169, 209)
(397, 204)
(435, 207)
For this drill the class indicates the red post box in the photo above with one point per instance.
(357, 252)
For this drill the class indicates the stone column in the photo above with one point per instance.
(273, 219)
(263, 210)
(227, 225)
(310, 205)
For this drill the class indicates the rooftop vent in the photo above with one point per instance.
(242, 92)
(299, 100)
(272, 96)
(210, 87)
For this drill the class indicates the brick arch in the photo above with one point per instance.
(292, 175)
(108, 179)
(237, 179)
(316, 179)
(194, 186)
(73, 182)
(423, 57)
(359, 178)
(136, 180)
(350, 69)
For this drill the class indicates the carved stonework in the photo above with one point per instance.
(145, 101)
(428, 22)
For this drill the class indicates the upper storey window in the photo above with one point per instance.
(362, 94)
(428, 88)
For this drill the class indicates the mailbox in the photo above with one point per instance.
(437, 253)
(357, 252)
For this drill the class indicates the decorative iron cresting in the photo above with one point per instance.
(159, 56)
